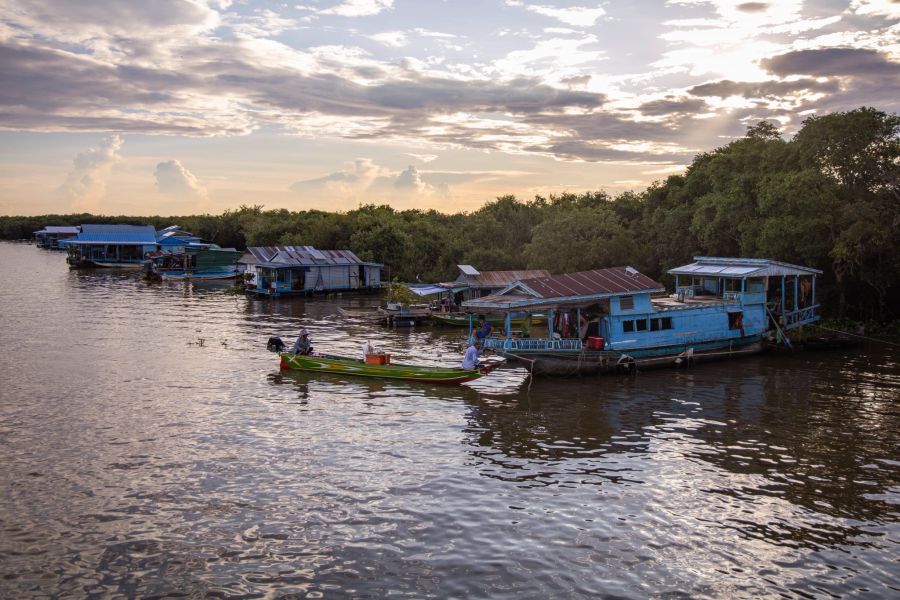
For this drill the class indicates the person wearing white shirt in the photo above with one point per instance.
(470, 358)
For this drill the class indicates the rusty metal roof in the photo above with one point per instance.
(569, 288)
(499, 279)
(612, 281)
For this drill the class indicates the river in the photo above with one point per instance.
(150, 447)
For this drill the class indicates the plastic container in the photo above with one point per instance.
(595, 343)
(378, 359)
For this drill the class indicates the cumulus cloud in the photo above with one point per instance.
(394, 39)
(85, 185)
(576, 16)
(833, 61)
(359, 8)
(364, 181)
(173, 179)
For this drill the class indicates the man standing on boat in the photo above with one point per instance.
(470, 358)
(302, 345)
(485, 328)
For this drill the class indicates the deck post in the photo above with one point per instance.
(796, 292)
(469, 338)
(813, 290)
(782, 295)
(550, 323)
(508, 326)
(578, 322)
(743, 289)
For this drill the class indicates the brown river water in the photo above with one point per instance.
(150, 448)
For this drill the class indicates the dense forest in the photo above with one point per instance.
(827, 198)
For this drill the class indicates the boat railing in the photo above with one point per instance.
(533, 344)
(732, 297)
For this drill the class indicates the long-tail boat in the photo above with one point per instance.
(342, 365)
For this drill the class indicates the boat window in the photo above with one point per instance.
(641, 324)
(660, 323)
(735, 320)
(627, 326)
(626, 302)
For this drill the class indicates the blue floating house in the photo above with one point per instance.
(610, 319)
(279, 270)
(110, 246)
(50, 236)
(173, 239)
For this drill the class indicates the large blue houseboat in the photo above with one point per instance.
(110, 246)
(619, 319)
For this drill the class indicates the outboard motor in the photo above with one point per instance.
(275, 344)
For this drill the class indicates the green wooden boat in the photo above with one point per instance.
(462, 320)
(342, 365)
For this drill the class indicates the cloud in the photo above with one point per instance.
(576, 16)
(174, 180)
(824, 62)
(393, 39)
(359, 8)
(365, 181)
(763, 89)
(887, 8)
(753, 7)
(85, 185)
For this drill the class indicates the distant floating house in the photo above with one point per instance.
(49, 236)
(175, 240)
(278, 270)
(110, 245)
(472, 283)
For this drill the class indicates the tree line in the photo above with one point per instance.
(828, 198)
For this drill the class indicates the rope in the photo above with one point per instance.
(871, 339)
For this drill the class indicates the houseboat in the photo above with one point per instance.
(110, 246)
(202, 261)
(619, 319)
(50, 236)
(280, 270)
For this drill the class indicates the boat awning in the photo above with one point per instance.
(427, 290)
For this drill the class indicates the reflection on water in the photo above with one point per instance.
(151, 447)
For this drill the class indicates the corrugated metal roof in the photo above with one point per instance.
(498, 279)
(468, 270)
(58, 229)
(598, 282)
(741, 267)
(301, 256)
(116, 234)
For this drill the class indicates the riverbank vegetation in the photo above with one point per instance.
(828, 198)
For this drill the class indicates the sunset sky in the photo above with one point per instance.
(186, 106)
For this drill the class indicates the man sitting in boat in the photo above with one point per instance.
(470, 358)
(369, 348)
(484, 328)
(302, 345)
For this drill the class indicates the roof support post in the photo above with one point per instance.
(470, 328)
(796, 292)
(508, 327)
(813, 290)
(782, 294)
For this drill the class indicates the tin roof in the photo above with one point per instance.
(116, 234)
(287, 256)
(58, 229)
(569, 288)
(497, 279)
(739, 268)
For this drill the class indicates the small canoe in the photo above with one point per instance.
(342, 365)
(462, 320)
(181, 275)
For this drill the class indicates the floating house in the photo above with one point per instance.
(198, 262)
(110, 246)
(472, 283)
(618, 318)
(174, 239)
(50, 236)
(278, 270)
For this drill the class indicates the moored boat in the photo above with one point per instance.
(462, 319)
(617, 318)
(342, 365)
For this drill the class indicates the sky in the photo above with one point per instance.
(176, 107)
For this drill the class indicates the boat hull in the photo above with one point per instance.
(181, 276)
(455, 320)
(592, 362)
(347, 366)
